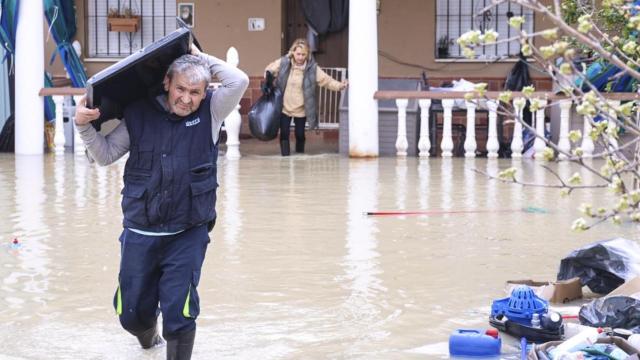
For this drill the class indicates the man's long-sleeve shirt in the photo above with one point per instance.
(107, 149)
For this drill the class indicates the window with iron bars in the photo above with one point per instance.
(157, 19)
(456, 17)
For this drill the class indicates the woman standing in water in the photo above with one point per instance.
(297, 75)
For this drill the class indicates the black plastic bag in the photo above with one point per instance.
(603, 265)
(517, 79)
(613, 311)
(519, 75)
(264, 116)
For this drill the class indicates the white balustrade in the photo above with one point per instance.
(493, 145)
(447, 142)
(233, 121)
(587, 145)
(565, 119)
(59, 139)
(539, 144)
(612, 127)
(470, 144)
(401, 141)
(516, 142)
(492, 139)
(424, 144)
(78, 145)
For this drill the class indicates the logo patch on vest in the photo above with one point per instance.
(195, 121)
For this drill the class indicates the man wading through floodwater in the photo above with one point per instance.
(169, 195)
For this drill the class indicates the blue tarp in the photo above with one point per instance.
(5, 105)
(60, 15)
(8, 26)
(606, 77)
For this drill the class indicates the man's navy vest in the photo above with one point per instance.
(170, 177)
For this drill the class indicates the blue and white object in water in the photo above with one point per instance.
(474, 342)
(520, 306)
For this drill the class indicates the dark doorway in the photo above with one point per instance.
(332, 47)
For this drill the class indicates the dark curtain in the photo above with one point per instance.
(326, 15)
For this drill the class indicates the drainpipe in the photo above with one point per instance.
(363, 79)
(29, 67)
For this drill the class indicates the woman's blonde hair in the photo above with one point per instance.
(296, 44)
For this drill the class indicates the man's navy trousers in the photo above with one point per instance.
(161, 270)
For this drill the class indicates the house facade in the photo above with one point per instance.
(415, 38)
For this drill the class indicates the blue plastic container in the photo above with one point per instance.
(520, 305)
(473, 342)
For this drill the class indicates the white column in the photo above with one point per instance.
(424, 143)
(613, 127)
(233, 121)
(363, 79)
(58, 138)
(587, 143)
(563, 138)
(447, 142)
(538, 143)
(29, 60)
(492, 140)
(78, 145)
(401, 140)
(516, 142)
(470, 144)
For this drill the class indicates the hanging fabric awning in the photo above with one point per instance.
(8, 26)
(61, 17)
(5, 101)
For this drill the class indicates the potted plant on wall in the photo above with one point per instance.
(444, 42)
(123, 19)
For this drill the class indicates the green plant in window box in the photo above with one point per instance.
(123, 19)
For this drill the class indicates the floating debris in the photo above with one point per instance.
(15, 244)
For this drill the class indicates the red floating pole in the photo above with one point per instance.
(529, 209)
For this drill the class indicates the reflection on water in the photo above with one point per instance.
(361, 262)
(29, 280)
(424, 174)
(232, 210)
(446, 176)
(401, 183)
(294, 270)
(469, 185)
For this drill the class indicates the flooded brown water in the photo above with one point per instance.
(294, 270)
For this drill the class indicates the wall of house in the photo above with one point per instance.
(406, 30)
(221, 24)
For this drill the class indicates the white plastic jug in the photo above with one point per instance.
(586, 337)
(634, 340)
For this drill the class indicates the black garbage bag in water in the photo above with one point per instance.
(603, 265)
(264, 116)
(612, 311)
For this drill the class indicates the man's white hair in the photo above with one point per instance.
(193, 67)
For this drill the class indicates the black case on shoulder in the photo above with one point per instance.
(137, 76)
